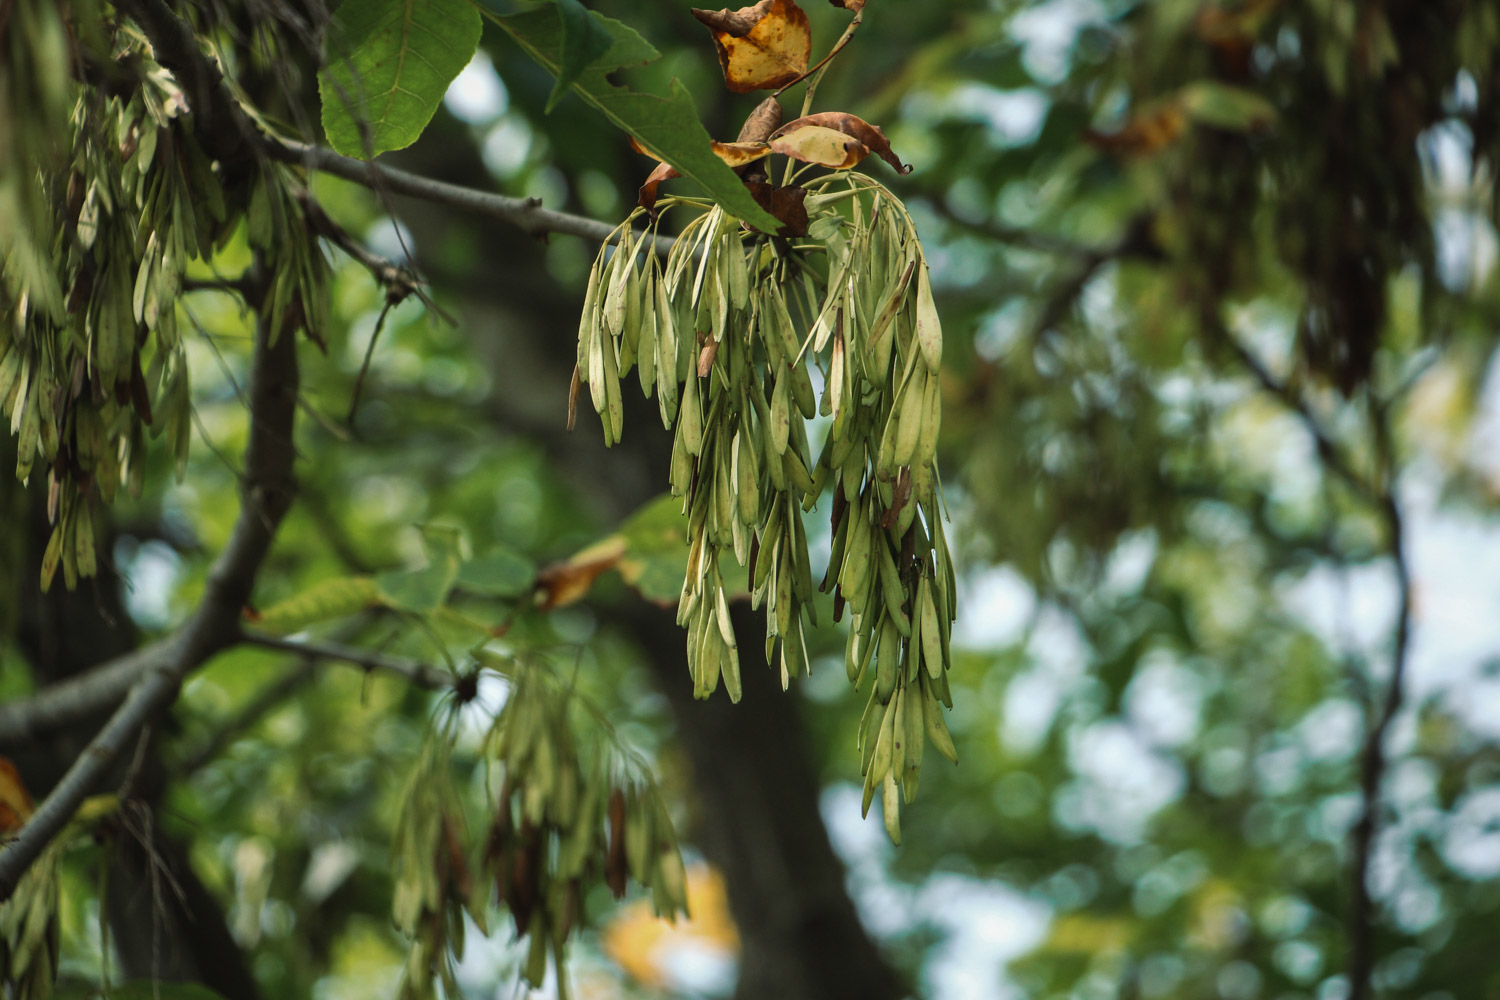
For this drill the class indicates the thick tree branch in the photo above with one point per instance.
(267, 493)
(65, 703)
(61, 705)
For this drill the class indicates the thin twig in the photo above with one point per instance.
(1378, 492)
(1328, 451)
(364, 367)
(419, 674)
(526, 214)
(838, 47)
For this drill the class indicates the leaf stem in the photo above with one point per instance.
(814, 77)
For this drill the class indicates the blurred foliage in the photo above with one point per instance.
(1175, 624)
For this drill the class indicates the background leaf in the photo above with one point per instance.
(499, 574)
(390, 63)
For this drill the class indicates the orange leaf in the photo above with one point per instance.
(15, 801)
(647, 195)
(760, 47)
(565, 582)
(737, 154)
(856, 128)
(853, 6)
(826, 147)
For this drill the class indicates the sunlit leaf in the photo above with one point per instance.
(390, 62)
(1223, 106)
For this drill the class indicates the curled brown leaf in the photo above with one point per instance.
(850, 125)
(760, 47)
(786, 203)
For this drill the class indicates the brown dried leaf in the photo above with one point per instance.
(824, 146)
(647, 194)
(15, 801)
(786, 203)
(760, 47)
(765, 119)
(565, 582)
(735, 154)
(853, 6)
(856, 128)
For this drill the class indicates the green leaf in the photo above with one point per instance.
(500, 574)
(583, 41)
(1223, 106)
(391, 62)
(423, 591)
(323, 601)
(668, 127)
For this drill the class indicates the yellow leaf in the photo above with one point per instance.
(761, 47)
(821, 145)
(641, 943)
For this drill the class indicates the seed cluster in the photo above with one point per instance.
(752, 346)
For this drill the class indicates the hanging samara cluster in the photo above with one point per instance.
(753, 344)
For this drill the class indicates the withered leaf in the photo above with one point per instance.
(853, 6)
(15, 801)
(735, 154)
(760, 47)
(647, 194)
(786, 203)
(1145, 133)
(565, 582)
(852, 126)
(765, 119)
(824, 146)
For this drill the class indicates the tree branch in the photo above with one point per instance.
(1379, 492)
(61, 705)
(526, 214)
(418, 673)
(267, 494)
(1372, 762)
(177, 49)
(1328, 451)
